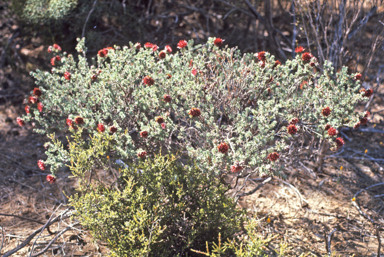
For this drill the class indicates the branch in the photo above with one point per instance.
(329, 242)
(89, 15)
(257, 188)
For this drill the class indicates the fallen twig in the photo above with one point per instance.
(296, 190)
(254, 190)
(2, 241)
(379, 241)
(329, 242)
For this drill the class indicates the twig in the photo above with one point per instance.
(254, 190)
(363, 213)
(53, 240)
(329, 242)
(295, 189)
(23, 218)
(372, 186)
(378, 240)
(2, 241)
(89, 15)
(33, 245)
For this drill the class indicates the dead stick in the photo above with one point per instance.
(329, 241)
(379, 241)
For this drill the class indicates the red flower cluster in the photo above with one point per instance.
(163, 125)
(169, 76)
(167, 98)
(94, 77)
(159, 119)
(37, 92)
(20, 121)
(51, 179)
(142, 154)
(57, 47)
(137, 46)
(168, 49)
(40, 106)
(218, 42)
(306, 57)
(182, 44)
(162, 54)
(273, 156)
(103, 52)
(261, 56)
(144, 134)
(303, 84)
(236, 167)
(276, 63)
(327, 127)
(357, 125)
(194, 112)
(326, 111)
(294, 121)
(113, 129)
(27, 109)
(79, 120)
(332, 132)
(292, 129)
(339, 142)
(223, 147)
(148, 81)
(100, 127)
(69, 122)
(364, 121)
(358, 76)
(41, 164)
(368, 93)
(67, 75)
(55, 60)
(49, 50)
(194, 72)
(366, 114)
(299, 49)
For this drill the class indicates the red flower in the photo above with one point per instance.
(94, 77)
(194, 112)
(339, 141)
(20, 121)
(303, 84)
(32, 99)
(169, 76)
(163, 125)
(306, 57)
(364, 121)
(368, 93)
(79, 120)
(326, 111)
(154, 47)
(276, 64)
(294, 121)
(327, 127)
(262, 64)
(218, 42)
(51, 179)
(67, 75)
(182, 44)
(142, 154)
(40, 107)
(57, 47)
(40, 164)
(357, 125)
(27, 109)
(112, 129)
(103, 52)
(292, 129)
(167, 98)
(366, 114)
(162, 54)
(37, 92)
(148, 45)
(312, 64)
(137, 46)
(144, 134)
(148, 81)
(190, 63)
(194, 72)
(100, 127)
(236, 167)
(168, 49)
(299, 49)
(49, 50)
(332, 132)
(358, 76)
(261, 56)
(69, 122)
(159, 119)
(273, 156)
(223, 147)
(55, 59)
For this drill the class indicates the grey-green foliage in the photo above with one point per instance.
(242, 103)
(156, 207)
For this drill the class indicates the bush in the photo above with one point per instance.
(157, 207)
(225, 110)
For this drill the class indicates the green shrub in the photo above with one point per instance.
(256, 115)
(158, 207)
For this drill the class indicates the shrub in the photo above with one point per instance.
(157, 207)
(234, 110)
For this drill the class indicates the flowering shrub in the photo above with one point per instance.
(214, 104)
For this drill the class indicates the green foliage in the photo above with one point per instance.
(158, 207)
(243, 103)
(40, 10)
